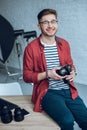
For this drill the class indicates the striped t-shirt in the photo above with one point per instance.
(52, 60)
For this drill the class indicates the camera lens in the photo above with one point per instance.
(62, 71)
(18, 114)
(6, 115)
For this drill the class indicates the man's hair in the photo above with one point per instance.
(46, 12)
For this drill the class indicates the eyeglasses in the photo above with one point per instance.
(53, 22)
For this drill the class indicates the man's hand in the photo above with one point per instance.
(71, 76)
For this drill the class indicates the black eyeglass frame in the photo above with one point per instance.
(47, 22)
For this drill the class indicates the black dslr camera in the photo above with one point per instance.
(65, 70)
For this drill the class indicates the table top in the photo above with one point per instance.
(34, 121)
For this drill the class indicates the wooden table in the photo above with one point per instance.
(34, 121)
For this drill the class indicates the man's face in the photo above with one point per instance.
(48, 25)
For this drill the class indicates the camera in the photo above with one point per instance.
(65, 70)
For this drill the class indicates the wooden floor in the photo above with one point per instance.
(34, 121)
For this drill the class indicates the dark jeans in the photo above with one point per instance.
(59, 105)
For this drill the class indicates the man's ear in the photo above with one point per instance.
(38, 26)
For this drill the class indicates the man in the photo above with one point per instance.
(42, 57)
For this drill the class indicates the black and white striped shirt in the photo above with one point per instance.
(52, 60)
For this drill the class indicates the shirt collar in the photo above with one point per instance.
(44, 44)
(56, 38)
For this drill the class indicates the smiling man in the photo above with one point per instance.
(53, 93)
